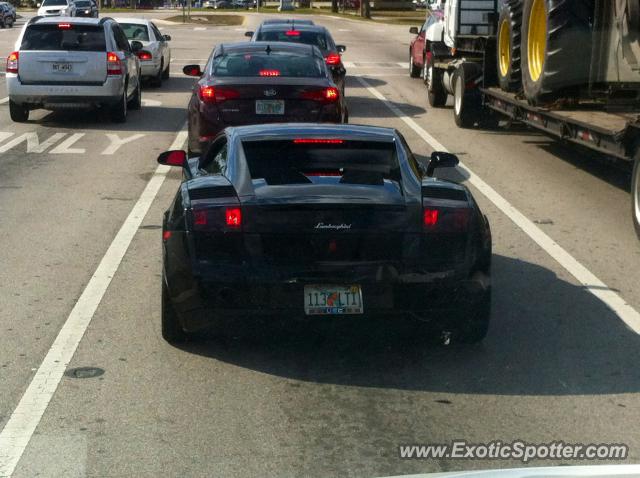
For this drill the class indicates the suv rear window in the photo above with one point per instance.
(318, 39)
(64, 37)
(313, 161)
(272, 63)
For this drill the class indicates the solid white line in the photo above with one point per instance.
(199, 29)
(4, 100)
(16, 434)
(584, 276)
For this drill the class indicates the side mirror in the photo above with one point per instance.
(341, 48)
(413, 30)
(440, 159)
(136, 46)
(176, 157)
(166, 37)
(192, 70)
(248, 34)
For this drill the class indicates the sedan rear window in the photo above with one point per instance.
(135, 31)
(318, 161)
(64, 37)
(272, 63)
(318, 39)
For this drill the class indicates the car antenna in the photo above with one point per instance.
(268, 49)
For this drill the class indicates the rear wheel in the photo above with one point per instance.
(414, 71)
(172, 331)
(136, 102)
(18, 113)
(165, 73)
(555, 48)
(635, 193)
(466, 104)
(508, 50)
(157, 80)
(119, 110)
(436, 94)
(475, 328)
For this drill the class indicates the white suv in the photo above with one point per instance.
(73, 63)
(55, 8)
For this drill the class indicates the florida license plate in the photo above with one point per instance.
(332, 299)
(62, 67)
(269, 107)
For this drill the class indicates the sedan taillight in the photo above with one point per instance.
(114, 66)
(325, 95)
(12, 62)
(144, 55)
(217, 94)
(332, 59)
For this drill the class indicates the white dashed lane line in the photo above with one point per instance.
(584, 276)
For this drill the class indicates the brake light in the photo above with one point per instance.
(114, 67)
(332, 59)
(233, 216)
(269, 72)
(430, 217)
(12, 62)
(325, 95)
(166, 235)
(292, 33)
(446, 219)
(318, 141)
(144, 55)
(64, 26)
(213, 94)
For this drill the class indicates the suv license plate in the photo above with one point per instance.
(62, 67)
(269, 107)
(332, 299)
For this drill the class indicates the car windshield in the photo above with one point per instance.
(318, 39)
(83, 4)
(135, 31)
(54, 3)
(313, 160)
(273, 63)
(69, 37)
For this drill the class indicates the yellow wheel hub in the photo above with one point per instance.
(504, 48)
(537, 39)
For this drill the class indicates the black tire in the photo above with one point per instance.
(414, 71)
(171, 328)
(475, 327)
(119, 110)
(436, 94)
(466, 102)
(566, 54)
(635, 193)
(135, 103)
(508, 56)
(18, 113)
(166, 72)
(156, 81)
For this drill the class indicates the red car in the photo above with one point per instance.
(261, 82)
(417, 51)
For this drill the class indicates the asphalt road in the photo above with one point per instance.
(558, 364)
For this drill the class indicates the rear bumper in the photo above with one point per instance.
(49, 96)
(439, 298)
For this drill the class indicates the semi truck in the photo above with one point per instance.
(568, 68)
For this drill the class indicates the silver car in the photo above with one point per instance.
(72, 63)
(155, 56)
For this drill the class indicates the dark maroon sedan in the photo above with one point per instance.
(261, 82)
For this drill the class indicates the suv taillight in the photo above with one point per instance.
(12, 62)
(114, 66)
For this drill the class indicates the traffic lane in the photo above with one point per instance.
(308, 401)
(64, 192)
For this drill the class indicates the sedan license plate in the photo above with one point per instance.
(332, 299)
(62, 67)
(269, 107)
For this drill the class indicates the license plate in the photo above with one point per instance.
(332, 299)
(62, 67)
(269, 107)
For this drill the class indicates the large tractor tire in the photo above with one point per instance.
(508, 50)
(555, 48)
